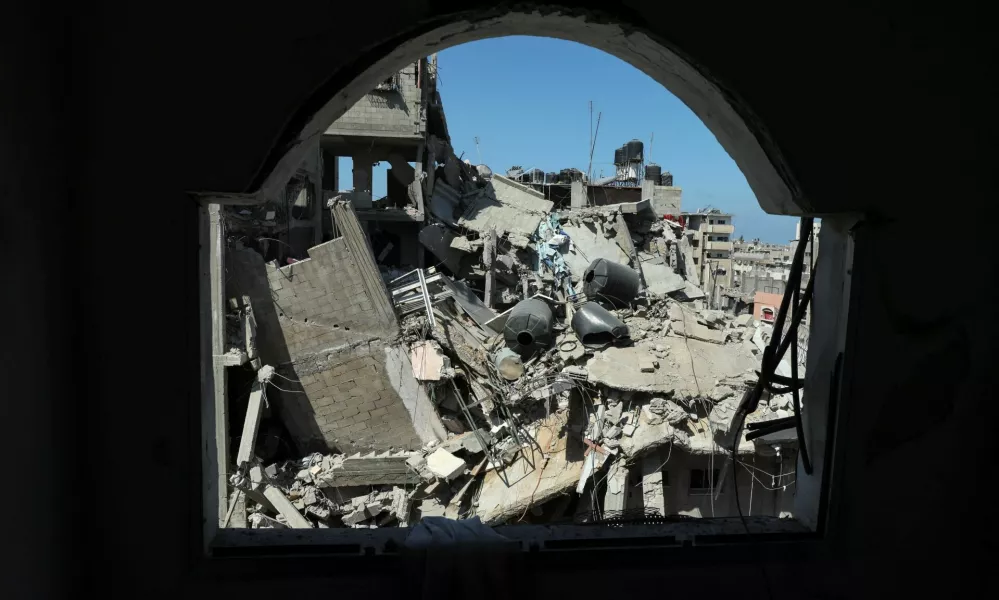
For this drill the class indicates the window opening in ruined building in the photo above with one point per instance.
(701, 483)
(414, 330)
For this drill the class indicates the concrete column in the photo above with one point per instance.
(649, 191)
(428, 190)
(416, 188)
(363, 172)
(578, 194)
(652, 483)
(214, 403)
(617, 493)
(330, 172)
(488, 255)
(317, 206)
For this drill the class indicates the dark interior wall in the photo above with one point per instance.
(37, 303)
(862, 105)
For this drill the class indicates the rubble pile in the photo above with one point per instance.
(558, 349)
(590, 343)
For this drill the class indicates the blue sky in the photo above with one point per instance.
(527, 99)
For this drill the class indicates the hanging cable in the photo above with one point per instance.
(772, 355)
(795, 396)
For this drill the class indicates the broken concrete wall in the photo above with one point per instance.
(506, 206)
(592, 239)
(386, 113)
(602, 195)
(423, 416)
(666, 200)
(319, 326)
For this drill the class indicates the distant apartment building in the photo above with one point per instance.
(710, 233)
(760, 267)
(811, 250)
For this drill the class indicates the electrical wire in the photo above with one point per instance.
(771, 357)
(288, 378)
(765, 486)
(284, 390)
(660, 467)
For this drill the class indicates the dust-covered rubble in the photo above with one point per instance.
(552, 345)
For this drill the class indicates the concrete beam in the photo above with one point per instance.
(251, 425)
(286, 508)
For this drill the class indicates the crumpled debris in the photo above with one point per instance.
(616, 380)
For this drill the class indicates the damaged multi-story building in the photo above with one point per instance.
(513, 348)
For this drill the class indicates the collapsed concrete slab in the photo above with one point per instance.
(509, 492)
(692, 329)
(660, 279)
(592, 239)
(507, 207)
(620, 368)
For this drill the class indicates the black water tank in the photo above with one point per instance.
(597, 327)
(528, 329)
(610, 282)
(653, 173)
(619, 157)
(551, 177)
(634, 150)
(667, 178)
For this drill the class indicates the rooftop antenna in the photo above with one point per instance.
(593, 143)
(652, 138)
(591, 126)
(479, 154)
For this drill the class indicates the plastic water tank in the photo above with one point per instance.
(619, 156)
(610, 282)
(653, 172)
(635, 148)
(667, 178)
(528, 329)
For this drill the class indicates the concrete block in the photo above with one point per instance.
(445, 465)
